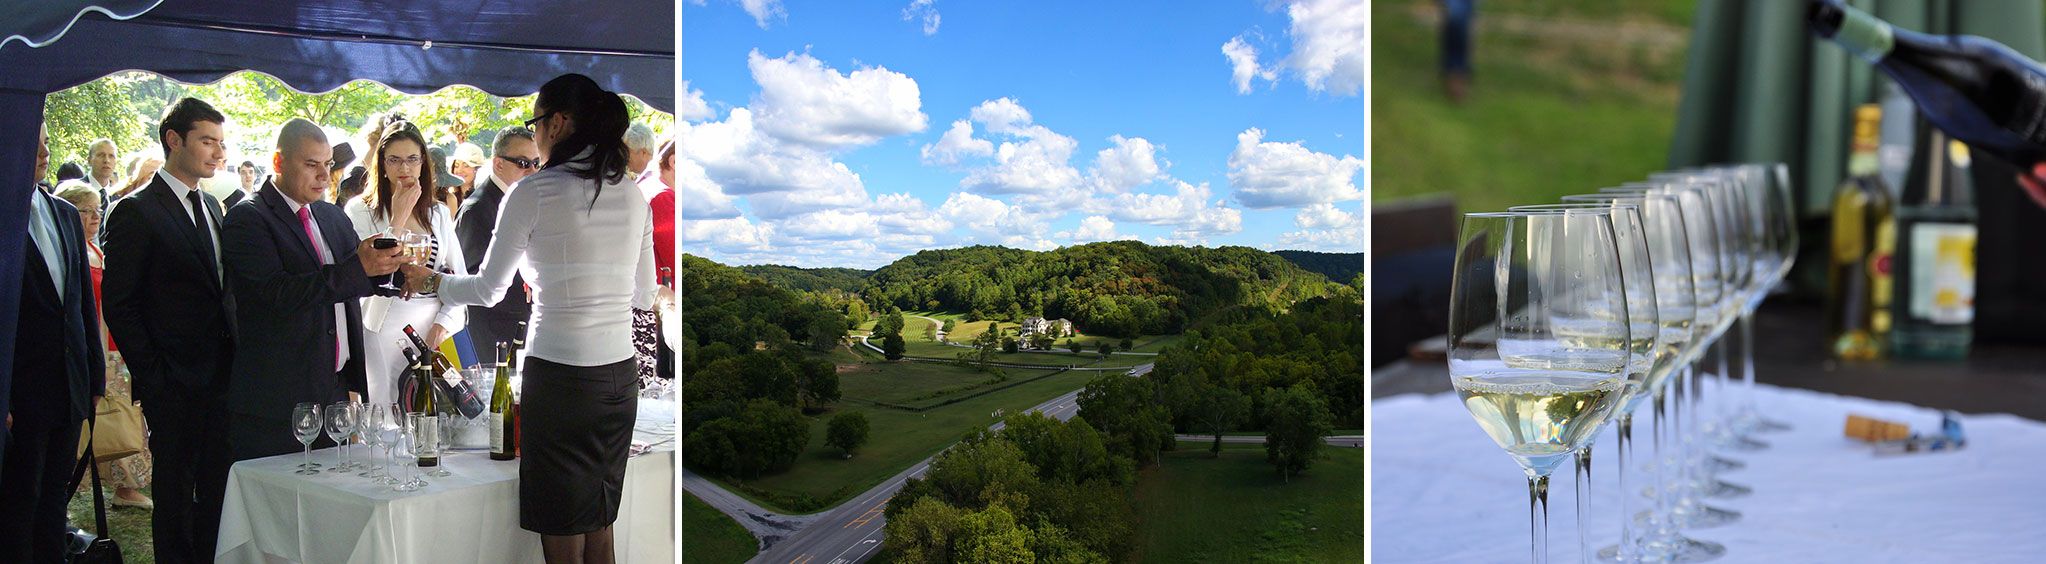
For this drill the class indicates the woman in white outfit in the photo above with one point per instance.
(397, 161)
(581, 235)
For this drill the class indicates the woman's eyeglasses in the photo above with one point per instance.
(522, 162)
(538, 119)
(397, 162)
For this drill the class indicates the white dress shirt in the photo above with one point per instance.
(43, 231)
(179, 189)
(589, 264)
(326, 256)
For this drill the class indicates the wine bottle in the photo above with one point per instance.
(518, 416)
(501, 447)
(1861, 207)
(460, 395)
(1936, 228)
(427, 436)
(1978, 91)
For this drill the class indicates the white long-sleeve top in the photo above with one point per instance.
(448, 258)
(588, 264)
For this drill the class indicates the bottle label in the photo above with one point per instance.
(428, 438)
(1943, 273)
(497, 433)
(1880, 270)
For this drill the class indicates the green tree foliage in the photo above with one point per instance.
(728, 306)
(819, 386)
(1295, 422)
(849, 280)
(890, 323)
(1126, 344)
(923, 533)
(1128, 413)
(827, 330)
(1340, 267)
(985, 345)
(765, 437)
(1121, 288)
(1217, 411)
(1075, 346)
(847, 431)
(1319, 342)
(1104, 348)
(990, 500)
(892, 346)
(1009, 345)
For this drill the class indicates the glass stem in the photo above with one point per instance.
(1681, 411)
(1538, 515)
(1583, 478)
(1723, 380)
(1747, 329)
(1626, 447)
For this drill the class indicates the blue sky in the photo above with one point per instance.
(853, 133)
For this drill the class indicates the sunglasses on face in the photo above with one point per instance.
(522, 162)
(538, 119)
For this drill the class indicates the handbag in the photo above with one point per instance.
(102, 549)
(122, 437)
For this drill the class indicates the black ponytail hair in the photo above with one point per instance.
(600, 122)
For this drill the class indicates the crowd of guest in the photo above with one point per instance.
(216, 294)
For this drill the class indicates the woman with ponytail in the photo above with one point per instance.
(581, 235)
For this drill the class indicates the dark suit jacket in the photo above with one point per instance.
(235, 198)
(57, 353)
(286, 300)
(474, 227)
(164, 304)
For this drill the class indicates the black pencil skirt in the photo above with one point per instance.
(575, 431)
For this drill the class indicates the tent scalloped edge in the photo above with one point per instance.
(33, 44)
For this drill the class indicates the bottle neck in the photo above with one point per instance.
(1865, 35)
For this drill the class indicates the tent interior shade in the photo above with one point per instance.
(504, 47)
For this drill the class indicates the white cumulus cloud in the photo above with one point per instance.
(1325, 227)
(1267, 174)
(1093, 228)
(692, 107)
(1129, 162)
(1243, 65)
(803, 101)
(957, 142)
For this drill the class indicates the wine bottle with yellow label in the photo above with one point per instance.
(1935, 260)
(1858, 270)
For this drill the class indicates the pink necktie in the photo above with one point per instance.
(305, 220)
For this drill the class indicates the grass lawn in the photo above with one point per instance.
(1566, 98)
(711, 537)
(1192, 508)
(128, 526)
(898, 438)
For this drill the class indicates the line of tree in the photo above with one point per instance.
(751, 370)
(1118, 289)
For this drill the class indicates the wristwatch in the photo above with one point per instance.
(432, 284)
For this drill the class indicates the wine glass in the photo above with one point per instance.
(391, 432)
(1539, 337)
(418, 247)
(1781, 217)
(1637, 275)
(340, 426)
(419, 433)
(372, 422)
(1675, 305)
(306, 423)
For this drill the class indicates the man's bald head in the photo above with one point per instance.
(296, 134)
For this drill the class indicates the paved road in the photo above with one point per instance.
(1347, 441)
(852, 532)
(767, 526)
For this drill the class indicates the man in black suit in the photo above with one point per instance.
(516, 156)
(59, 373)
(168, 307)
(248, 173)
(296, 270)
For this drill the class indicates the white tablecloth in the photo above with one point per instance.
(1443, 492)
(273, 515)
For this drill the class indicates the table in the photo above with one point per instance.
(1443, 492)
(273, 515)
